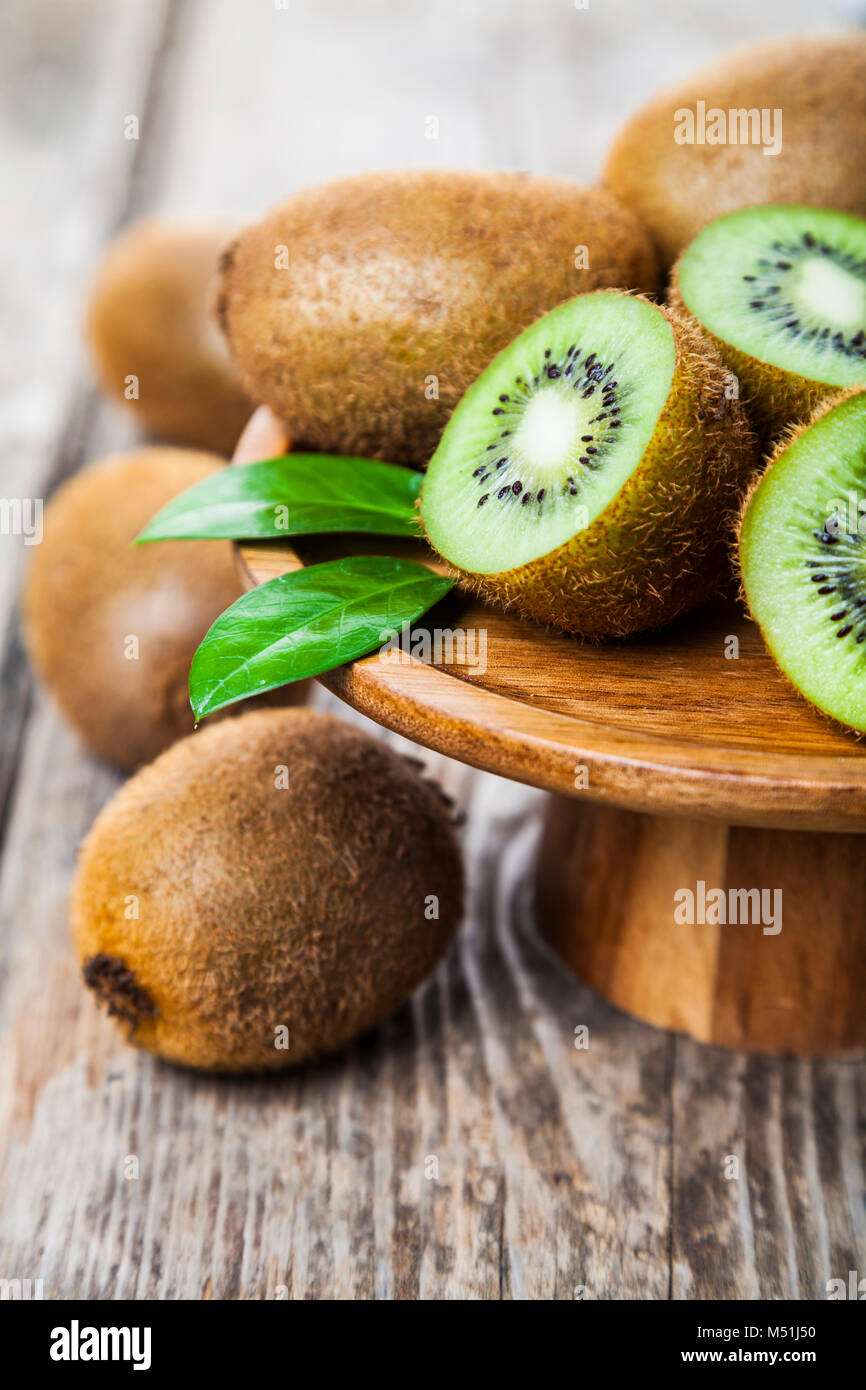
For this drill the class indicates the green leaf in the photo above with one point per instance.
(307, 622)
(298, 494)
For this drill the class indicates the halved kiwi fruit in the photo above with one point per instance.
(586, 477)
(803, 558)
(783, 292)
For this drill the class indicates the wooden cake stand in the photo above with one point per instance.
(681, 760)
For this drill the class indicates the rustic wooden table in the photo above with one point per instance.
(467, 1149)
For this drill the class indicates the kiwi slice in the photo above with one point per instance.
(783, 292)
(803, 559)
(583, 477)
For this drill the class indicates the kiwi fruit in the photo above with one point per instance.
(782, 290)
(818, 82)
(111, 627)
(152, 317)
(361, 311)
(281, 871)
(588, 477)
(802, 546)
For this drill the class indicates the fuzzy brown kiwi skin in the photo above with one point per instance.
(152, 314)
(773, 397)
(261, 906)
(89, 590)
(819, 84)
(782, 443)
(661, 546)
(396, 278)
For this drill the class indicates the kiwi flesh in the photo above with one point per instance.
(782, 290)
(816, 81)
(288, 871)
(152, 316)
(802, 546)
(587, 479)
(362, 310)
(112, 627)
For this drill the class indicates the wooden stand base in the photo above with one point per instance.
(613, 903)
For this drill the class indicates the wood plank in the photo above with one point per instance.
(70, 78)
(785, 1225)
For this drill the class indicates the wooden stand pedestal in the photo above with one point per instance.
(607, 881)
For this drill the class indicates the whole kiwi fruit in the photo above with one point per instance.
(265, 891)
(112, 627)
(152, 317)
(361, 311)
(816, 81)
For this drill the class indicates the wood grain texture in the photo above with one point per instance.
(778, 972)
(559, 1170)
